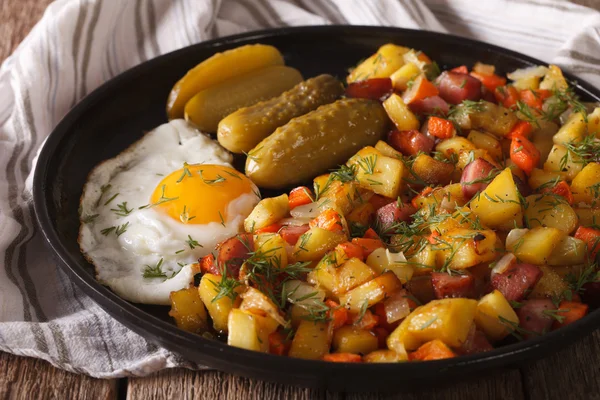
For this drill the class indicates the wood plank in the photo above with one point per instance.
(208, 385)
(572, 373)
(30, 378)
(501, 385)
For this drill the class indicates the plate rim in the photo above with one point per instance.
(143, 323)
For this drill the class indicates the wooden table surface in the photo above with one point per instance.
(572, 373)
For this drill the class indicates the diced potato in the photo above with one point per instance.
(188, 310)
(381, 64)
(562, 160)
(388, 150)
(491, 118)
(448, 320)
(432, 171)
(350, 275)
(554, 79)
(454, 146)
(539, 177)
(217, 309)
(532, 82)
(466, 248)
(316, 242)
(424, 260)
(272, 247)
(455, 194)
(490, 309)
(323, 274)
(385, 356)
(403, 75)
(371, 292)
(542, 137)
(588, 216)
(298, 314)
(350, 339)
(243, 330)
(586, 185)
(572, 131)
(536, 245)
(498, 206)
(467, 156)
(382, 260)
(362, 214)
(593, 124)
(267, 212)
(312, 340)
(250, 331)
(486, 142)
(400, 114)
(550, 284)
(550, 211)
(340, 196)
(378, 173)
(568, 251)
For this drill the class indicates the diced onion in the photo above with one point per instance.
(513, 237)
(413, 57)
(395, 258)
(295, 221)
(529, 72)
(302, 293)
(396, 307)
(254, 300)
(504, 263)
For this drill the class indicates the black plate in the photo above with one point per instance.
(116, 114)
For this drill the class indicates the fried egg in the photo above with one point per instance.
(149, 213)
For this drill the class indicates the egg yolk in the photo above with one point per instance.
(199, 194)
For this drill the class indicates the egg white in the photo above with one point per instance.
(147, 236)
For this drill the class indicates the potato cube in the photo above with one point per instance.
(312, 340)
(403, 75)
(272, 247)
(249, 331)
(378, 173)
(550, 284)
(562, 160)
(586, 185)
(593, 124)
(539, 177)
(550, 211)
(350, 339)
(568, 251)
(388, 150)
(218, 309)
(536, 245)
(400, 114)
(494, 316)
(316, 242)
(486, 142)
(350, 275)
(499, 206)
(572, 131)
(341, 196)
(371, 293)
(448, 320)
(432, 171)
(588, 216)
(267, 212)
(382, 64)
(188, 310)
(554, 79)
(454, 146)
(385, 356)
(464, 248)
(382, 260)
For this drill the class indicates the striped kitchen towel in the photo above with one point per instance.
(79, 44)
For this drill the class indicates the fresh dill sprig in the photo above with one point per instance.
(155, 271)
(122, 210)
(161, 200)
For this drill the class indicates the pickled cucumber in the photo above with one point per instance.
(242, 130)
(211, 105)
(217, 69)
(316, 142)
